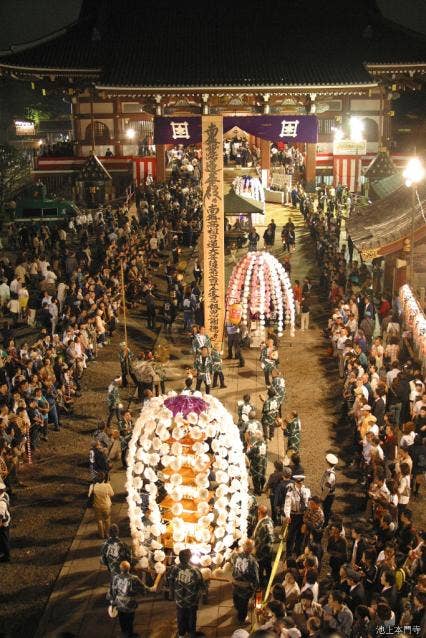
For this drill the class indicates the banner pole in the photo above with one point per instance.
(123, 301)
(274, 569)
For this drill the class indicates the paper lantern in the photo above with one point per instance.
(235, 313)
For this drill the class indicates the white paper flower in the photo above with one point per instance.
(176, 463)
(176, 449)
(159, 556)
(176, 479)
(219, 532)
(176, 493)
(177, 509)
(196, 433)
(150, 474)
(203, 508)
(160, 568)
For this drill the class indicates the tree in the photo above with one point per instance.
(14, 173)
(19, 100)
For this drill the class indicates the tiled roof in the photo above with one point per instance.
(386, 221)
(73, 49)
(380, 166)
(236, 205)
(197, 43)
(93, 169)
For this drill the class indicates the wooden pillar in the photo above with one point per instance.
(265, 154)
(265, 161)
(213, 228)
(76, 128)
(160, 151)
(311, 167)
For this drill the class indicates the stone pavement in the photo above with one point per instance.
(77, 606)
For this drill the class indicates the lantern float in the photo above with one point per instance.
(260, 283)
(187, 482)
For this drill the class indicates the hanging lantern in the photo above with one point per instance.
(235, 313)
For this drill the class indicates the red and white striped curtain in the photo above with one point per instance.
(347, 171)
(142, 167)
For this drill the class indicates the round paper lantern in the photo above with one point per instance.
(171, 503)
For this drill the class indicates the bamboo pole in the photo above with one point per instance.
(123, 301)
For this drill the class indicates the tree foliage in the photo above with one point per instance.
(19, 100)
(14, 173)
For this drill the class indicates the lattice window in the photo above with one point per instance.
(101, 132)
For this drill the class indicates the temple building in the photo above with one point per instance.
(123, 62)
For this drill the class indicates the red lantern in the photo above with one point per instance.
(235, 313)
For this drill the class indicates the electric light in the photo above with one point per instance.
(356, 126)
(414, 171)
(130, 133)
(337, 133)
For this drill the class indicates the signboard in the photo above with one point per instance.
(213, 228)
(348, 147)
(24, 128)
(275, 128)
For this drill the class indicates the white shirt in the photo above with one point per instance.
(314, 589)
(61, 291)
(4, 510)
(50, 276)
(404, 490)
(43, 267)
(15, 286)
(391, 375)
(292, 499)
(4, 292)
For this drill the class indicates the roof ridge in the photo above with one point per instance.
(53, 35)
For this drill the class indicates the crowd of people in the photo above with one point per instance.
(340, 578)
(64, 282)
(354, 578)
(58, 149)
(290, 157)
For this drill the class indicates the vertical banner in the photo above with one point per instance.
(213, 228)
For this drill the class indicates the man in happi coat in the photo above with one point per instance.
(200, 340)
(269, 414)
(257, 458)
(245, 579)
(278, 384)
(263, 540)
(217, 367)
(204, 367)
(292, 431)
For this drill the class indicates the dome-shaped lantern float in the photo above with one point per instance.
(173, 503)
(260, 283)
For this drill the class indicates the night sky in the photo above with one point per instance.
(23, 20)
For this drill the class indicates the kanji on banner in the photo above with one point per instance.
(213, 229)
(275, 128)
